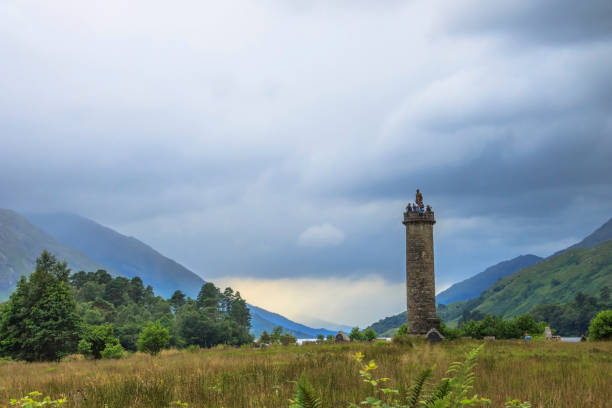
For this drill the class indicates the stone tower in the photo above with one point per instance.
(420, 282)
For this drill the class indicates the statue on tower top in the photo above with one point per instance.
(419, 199)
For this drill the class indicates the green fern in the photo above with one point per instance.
(304, 396)
(464, 378)
(417, 387)
(439, 393)
(451, 392)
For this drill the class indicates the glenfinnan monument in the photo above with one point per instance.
(420, 283)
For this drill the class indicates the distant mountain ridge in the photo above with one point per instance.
(265, 320)
(126, 255)
(554, 280)
(472, 287)
(21, 243)
(87, 245)
(599, 236)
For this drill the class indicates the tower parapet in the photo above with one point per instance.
(415, 216)
(420, 281)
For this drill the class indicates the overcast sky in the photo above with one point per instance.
(273, 145)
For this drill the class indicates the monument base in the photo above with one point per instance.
(434, 336)
(425, 326)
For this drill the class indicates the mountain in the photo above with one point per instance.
(554, 280)
(126, 255)
(130, 257)
(599, 236)
(472, 287)
(262, 319)
(21, 243)
(383, 326)
(316, 322)
(559, 267)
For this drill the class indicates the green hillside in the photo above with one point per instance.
(126, 255)
(389, 323)
(475, 285)
(552, 281)
(555, 280)
(21, 243)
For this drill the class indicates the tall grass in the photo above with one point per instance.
(547, 374)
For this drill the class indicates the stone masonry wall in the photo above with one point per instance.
(420, 281)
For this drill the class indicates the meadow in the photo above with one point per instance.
(548, 374)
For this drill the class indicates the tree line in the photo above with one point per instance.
(567, 319)
(54, 313)
(573, 318)
(490, 325)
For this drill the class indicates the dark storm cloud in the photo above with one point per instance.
(497, 183)
(533, 129)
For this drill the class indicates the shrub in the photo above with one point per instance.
(449, 333)
(84, 347)
(401, 337)
(287, 339)
(402, 340)
(153, 338)
(601, 326)
(370, 334)
(356, 334)
(112, 351)
(264, 338)
(34, 399)
(96, 339)
(502, 329)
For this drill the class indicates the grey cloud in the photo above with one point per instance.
(534, 22)
(219, 133)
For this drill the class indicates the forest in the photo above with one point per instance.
(54, 313)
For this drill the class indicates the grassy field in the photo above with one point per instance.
(547, 374)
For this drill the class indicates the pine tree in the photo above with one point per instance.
(136, 290)
(227, 298)
(240, 313)
(209, 296)
(209, 300)
(177, 300)
(40, 321)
